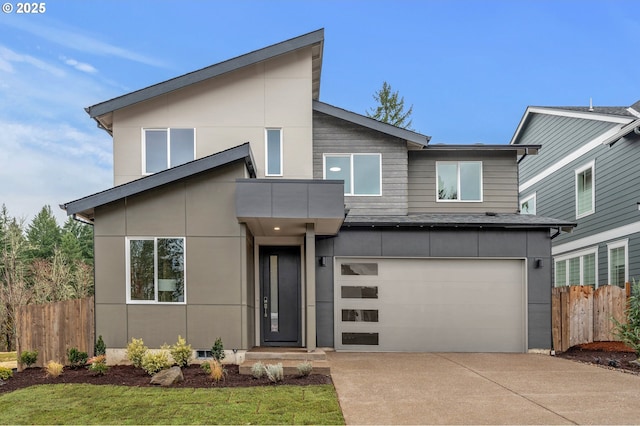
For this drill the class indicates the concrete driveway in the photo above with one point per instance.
(463, 388)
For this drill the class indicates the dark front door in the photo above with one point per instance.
(280, 296)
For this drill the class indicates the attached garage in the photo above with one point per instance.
(430, 304)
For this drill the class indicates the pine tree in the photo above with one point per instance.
(390, 108)
(44, 234)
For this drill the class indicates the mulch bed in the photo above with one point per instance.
(123, 375)
(611, 355)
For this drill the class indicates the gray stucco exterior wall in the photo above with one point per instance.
(499, 243)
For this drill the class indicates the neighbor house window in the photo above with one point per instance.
(459, 180)
(576, 268)
(618, 261)
(361, 173)
(155, 270)
(528, 205)
(166, 148)
(585, 190)
(274, 152)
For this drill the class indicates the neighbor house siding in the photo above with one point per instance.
(500, 182)
(332, 135)
(559, 137)
(443, 243)
(227, 111)
(219, 297)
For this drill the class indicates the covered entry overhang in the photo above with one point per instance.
(280, 213)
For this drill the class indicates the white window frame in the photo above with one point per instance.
(591, 165)
(155, 271)
(351, 169)
(613, 245)
(528, 198)
(458, 200)
(168, 130)
(576, 254)
(266, 151)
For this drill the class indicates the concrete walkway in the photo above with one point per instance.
(459, 388)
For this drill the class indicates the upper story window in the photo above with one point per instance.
(166, 148)
(577, 268)
(528, 205)
(155, 270)
(362, 173)
(273, 148)
(459, 180)
(618, 261)
(585, 190)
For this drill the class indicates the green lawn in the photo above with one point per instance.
(91, 404)
(7, 356)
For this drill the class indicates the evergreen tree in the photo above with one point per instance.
(77, 241)
(390, 108)
(44, 234)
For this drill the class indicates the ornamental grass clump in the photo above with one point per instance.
(136, 351)
(53, 369)
(274, 372)
(28, 358)
(155, 361)
(304, 368)
(257, 370)
(181, 352)
(215, 370)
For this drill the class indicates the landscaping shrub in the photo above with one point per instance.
(53, 369)
(216, 370)
(629, 333)
(304, 368)
(100, 347)
(28, 358)
(5, 373)
(76, 358)
(217, 350)
(257, 370)
(98, 365)
(181, 352)
(152, 362)
(274, 372)
(136, 351)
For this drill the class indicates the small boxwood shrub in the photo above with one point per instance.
(76, 358)
(136, 351)
(181, 352)
(28, 358)
(5, 373)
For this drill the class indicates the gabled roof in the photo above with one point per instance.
(361, 120)
(315, 38)
(85, 206)
(613, 114)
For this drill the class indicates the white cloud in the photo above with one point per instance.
(8, 56)
(80, 66)
(76, 40)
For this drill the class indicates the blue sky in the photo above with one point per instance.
(470, 68)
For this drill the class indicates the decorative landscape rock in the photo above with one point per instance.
(167, 377)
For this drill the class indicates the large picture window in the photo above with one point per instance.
(459, 180)
(618, 260)
(166, 148)
(585, 190)
(361, 173)
(155, 270)
(577, 268)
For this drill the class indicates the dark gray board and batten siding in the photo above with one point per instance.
(332, 135)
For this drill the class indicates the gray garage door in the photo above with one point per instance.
(432, 305)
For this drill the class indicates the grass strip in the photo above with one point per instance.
(92, 404)
(8, 356)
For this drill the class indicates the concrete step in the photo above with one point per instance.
(290, 366)
(269, 354)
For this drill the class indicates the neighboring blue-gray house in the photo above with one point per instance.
(588, 171)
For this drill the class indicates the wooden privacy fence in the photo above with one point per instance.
(582, 314)
(53, 328)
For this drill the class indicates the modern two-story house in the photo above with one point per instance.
(586, 172)
(246, 208)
